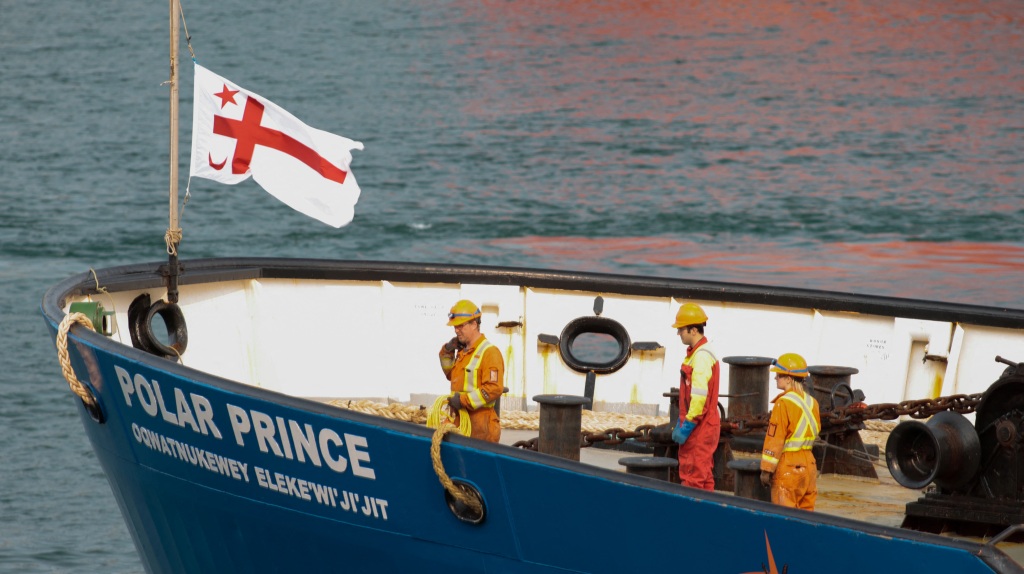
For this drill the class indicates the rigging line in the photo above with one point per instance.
(110, 298)
(188, 38)
(184, 202)
(861, 455)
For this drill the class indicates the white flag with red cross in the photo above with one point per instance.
(237, 134)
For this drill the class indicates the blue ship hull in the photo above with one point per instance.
(216, 476)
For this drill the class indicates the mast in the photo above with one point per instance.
(173, 236)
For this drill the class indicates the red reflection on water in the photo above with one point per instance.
(806, 45)
(980, 273)
(763, 76)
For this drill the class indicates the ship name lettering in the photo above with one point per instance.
(196, 412)
(288, 439)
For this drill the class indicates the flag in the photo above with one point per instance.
(237, 134)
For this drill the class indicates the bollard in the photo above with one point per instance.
(661, 435)
(845, 452)
(825, 379)
(748, 385)
(561, 420)
(723, 475)
(749, 380)
(748, 480)
(658, 467)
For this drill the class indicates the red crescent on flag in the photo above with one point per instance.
(217, 166)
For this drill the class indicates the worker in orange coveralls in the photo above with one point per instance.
(476, 370)
(699, 424)
(787, 462)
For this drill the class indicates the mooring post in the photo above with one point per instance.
(748, 385)
(832, 389)
(748, 480)
(748, 396)
(561, 420)
(658, 467)
(662, 434)
(825, 379)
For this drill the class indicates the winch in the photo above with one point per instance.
(976, 471)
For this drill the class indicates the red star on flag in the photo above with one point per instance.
(226, 95)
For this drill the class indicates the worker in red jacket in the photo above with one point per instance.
(699, 424)
(787, 461)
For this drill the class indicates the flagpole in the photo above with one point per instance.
(173, 235)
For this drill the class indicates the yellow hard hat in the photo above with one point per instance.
(790, 364)
(690, 314)
(463, 312)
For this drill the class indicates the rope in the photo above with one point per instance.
(172, 238)
(435, 455)
(398, 411)
(65, 362)
(440, 414)
(188, 37)
(861, 455)
(592, 421)
(880, 426)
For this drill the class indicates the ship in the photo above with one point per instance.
(227, 449)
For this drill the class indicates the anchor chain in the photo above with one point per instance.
(839, 416)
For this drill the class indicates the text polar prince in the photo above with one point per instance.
(285, 439)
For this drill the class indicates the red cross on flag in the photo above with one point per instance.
(237, 134)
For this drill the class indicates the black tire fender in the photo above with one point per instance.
(177, 331)
(599, 325)
(140, 327)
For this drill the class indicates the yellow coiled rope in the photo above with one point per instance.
(441, 413)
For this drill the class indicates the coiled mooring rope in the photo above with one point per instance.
(455, 490)
(65, 362)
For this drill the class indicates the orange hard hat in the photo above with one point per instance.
(690, 314)
(790, 364)
(463, 312)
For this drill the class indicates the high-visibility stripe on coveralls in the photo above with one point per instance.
(472, 390)
(807, 429)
